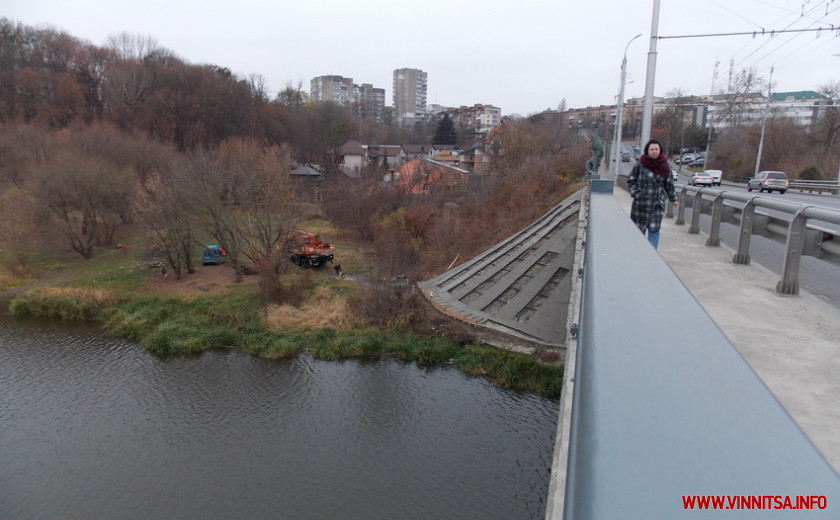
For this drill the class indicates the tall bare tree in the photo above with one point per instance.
(243, 199)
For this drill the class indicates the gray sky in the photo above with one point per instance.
(521, 55)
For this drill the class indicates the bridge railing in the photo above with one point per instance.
(802, 227)
(664, 409)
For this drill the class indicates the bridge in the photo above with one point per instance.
(686, 373)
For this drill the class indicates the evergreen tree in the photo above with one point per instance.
(445, 132)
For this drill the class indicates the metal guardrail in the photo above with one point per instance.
(832, 187)
(664, 407)
(799, 227)
(802, 185)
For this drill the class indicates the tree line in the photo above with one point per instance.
(98, 144)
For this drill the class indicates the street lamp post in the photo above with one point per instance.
(647, 113)
(620, 107)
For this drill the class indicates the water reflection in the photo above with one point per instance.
(96, 428)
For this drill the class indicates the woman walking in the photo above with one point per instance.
(650, 183)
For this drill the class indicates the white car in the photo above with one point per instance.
(716, 175)
(675, 176)
(701, 178)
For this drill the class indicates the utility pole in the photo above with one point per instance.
(619, 122)
(763, 123)
(647, 112)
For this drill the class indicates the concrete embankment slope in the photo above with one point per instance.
(520, 287)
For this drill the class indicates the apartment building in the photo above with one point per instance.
(337, 89)
(370, 102)
(410, 91)
(479, 119)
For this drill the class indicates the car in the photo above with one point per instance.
(769, 181)
(697, 163)
(625, 157)
(686, 158)
(716, 175)
(675, 176)
(701, 178)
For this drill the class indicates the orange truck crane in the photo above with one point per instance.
(307, 250)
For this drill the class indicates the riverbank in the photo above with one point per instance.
(196, 314)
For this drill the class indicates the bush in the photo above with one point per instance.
(810, 173)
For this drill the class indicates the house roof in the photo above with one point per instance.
(416, 148)
(352, 147)
(305, 170)
(797, 96)
(390, 150)
(440, 164)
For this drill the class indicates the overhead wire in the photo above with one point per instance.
(775, 45)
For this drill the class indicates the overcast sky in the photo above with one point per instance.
(523, 56)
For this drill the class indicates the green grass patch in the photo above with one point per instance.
(64, 303)
(176, 326)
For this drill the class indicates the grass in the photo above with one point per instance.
(175, 326)
(111, 288)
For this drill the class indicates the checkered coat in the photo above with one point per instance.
(649, 192)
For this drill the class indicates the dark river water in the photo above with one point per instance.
(92, 427)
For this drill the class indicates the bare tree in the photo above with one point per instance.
(86, 196)
(744, 90)
(828, 127)
(132, 47)
(243, 199)
(161, 205)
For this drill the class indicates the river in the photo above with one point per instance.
(92, 427)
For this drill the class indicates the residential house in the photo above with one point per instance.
(386, 155)
(449, 157)
(414, 151)
(353, 156)
(307, 181)
(424, 176)
(474, 160)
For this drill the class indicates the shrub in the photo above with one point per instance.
(810, 173)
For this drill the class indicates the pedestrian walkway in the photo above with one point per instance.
(791, 342)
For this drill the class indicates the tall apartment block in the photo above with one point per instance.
(410, 87)
(370, 101)
(337, 89)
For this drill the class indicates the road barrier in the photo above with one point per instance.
(802, 227)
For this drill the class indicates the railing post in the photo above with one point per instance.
(717, 215)
(742, 256)
(789, 284)
(681, 209)
(696, 209)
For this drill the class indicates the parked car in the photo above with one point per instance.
(697, 163)
(716, 175)
(769, 181)
(701, 178)
(685, 158)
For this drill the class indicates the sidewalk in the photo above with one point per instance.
(792, 342)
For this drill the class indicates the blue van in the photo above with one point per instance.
(212, 255)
